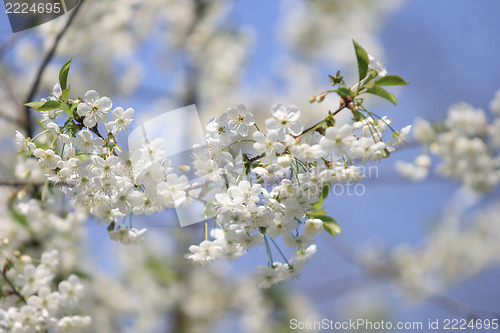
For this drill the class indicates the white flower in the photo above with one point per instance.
(301, 241)
(149, 151)
(50, 259)
(245, 193)
(32, 279)
(45, 300)
(151, 174)
(173, 189)
(94, 109)
(269, 275)
(56, 91)
(285, 161)
(285, 120)
(313, 227)
(47, 158)
(240, 120)
(367, 148)
(71, 290)
(87, 143)
(205, 252)
(127, 236)
(423, 131)
(121, 120)
(218, 128)
(268, 144)
(127, 198)
(223, 202)
(399, 137)
(25, 319)
(411, 171)
(338, 140)
(73, 323)
(23, 144)
(464, 119)
(377, 65)
(307, 152)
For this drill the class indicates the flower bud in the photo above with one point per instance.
(284, 161)
(320, 98)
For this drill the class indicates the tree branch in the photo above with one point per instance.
(19, 182)
(48, 57)
(13, 288)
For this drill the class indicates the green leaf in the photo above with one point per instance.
(330, 224)
(363, 61)
(63, 74)
(326, 218)
(391, 80)
(65, 94)
(326, 191)
(332, 228)
(317, 212)
(20, 218)
(160, 271)
(381, 92)
(49, 105)
(318, 205)
(67, 109)
(35, 105)
(73, 108)
(255, 164)
(343, 91)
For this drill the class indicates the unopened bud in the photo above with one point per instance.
(284, 161)
(25, 259)
(320, 98)
(184, 168)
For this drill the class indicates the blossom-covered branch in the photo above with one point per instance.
(274, 196)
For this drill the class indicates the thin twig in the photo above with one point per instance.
(48, 57)
(19, 182)
(13, 288)
(460, 308)
(255, 158)
(5, 45)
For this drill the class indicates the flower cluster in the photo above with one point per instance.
(272, 194)
(95, 172)
(276, 192)
(45, 305)
(459, 246)
(467, 144)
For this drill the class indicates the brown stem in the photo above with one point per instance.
(13, 288)
(19, 182)
(460, 308)
(96, 131)
(255, 158)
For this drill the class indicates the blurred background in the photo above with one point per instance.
(395, 259)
